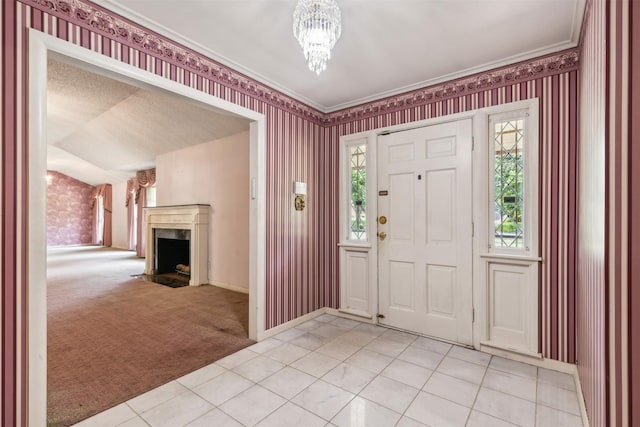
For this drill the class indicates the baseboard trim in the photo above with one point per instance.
(291, 323)
(509, 352)
(229, 287)
(554, 365)
(365, 318)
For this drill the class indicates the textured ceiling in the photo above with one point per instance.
(387, 46)
(100, 130)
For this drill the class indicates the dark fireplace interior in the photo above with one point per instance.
(172, 250)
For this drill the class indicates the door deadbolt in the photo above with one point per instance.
(382, 220)
(382, 235)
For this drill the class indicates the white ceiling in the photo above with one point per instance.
(387, 46)
(100, 130)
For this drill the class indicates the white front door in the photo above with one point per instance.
(425, 246)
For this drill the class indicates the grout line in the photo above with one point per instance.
(378, 374)
(535, 413)
(475, 399)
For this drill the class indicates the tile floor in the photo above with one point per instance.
(332, 371)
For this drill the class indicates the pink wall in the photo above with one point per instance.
(302, 144)
(634, 212)
(591, 265)
(69, 214)
(553, 80)
(215, 173)
(608, 238)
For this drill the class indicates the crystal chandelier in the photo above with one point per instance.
(316, 25)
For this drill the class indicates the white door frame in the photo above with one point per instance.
(371, 245)
(422, 252)
(480, 165)
(40, 46)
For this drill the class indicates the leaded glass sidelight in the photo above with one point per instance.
(358, 200)
(508, 195)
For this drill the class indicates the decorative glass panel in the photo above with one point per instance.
(508, 140)
(358, 202)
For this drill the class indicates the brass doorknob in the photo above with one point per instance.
(382, 235)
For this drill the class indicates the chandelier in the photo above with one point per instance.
(316, 25)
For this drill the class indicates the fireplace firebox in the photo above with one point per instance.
(177, 239)
(172, 251)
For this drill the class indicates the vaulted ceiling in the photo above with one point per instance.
(101, 130)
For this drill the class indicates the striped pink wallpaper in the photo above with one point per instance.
(302, 145)
(591, 291)
(634, 212)
(608, 351)
(554, 81)
(301, 269)
(617, 221)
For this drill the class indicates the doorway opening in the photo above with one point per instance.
(41, 47)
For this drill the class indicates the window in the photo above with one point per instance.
(151, 196)
(358, 199)
(507, 142)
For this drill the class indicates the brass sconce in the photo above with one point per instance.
(300, 190)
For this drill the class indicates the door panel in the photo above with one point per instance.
(425, 276)
(401, 189)
(403, 295)
(440, 200)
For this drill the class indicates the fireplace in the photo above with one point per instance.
(172, 250)
(177, 241)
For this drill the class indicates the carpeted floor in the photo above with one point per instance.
(112, 336)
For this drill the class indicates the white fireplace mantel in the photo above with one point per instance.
(184, 217)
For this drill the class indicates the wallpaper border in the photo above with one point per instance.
(521, 72)
(101, 20)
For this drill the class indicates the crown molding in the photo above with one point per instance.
(151, 38)
(510, 61)
(130, 33)
(560, 62)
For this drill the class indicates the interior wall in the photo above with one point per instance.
(301, 259)
(119, 216)
(607, 293)
(634, 210)
(302, 145)
(591, 262)
(69, 210)
(553, 80)
(215, 173)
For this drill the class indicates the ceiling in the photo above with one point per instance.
(387, 46)
(100, 130)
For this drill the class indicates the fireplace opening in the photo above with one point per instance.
(187, 260)
(173, 256)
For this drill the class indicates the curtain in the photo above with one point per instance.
(144, 179)
(130, 205)
(101, 231)
(142, 225)
(97, 212)
(107, 204)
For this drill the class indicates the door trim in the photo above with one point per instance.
(40, 45)
(480, 130)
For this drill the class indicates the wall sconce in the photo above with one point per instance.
(300, 190)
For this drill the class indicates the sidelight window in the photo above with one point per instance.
(508, 184)
(358, 187)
